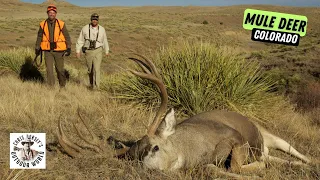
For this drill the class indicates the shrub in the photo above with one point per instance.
(199, 77)
(14, 58)
(205, 22)
(308, 96)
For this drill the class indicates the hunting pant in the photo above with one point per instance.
(56, 58)
(93, 59)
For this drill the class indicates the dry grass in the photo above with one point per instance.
(308, 96)
(308, 100)
(29, 107)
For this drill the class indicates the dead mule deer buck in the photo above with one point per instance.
(209, 137)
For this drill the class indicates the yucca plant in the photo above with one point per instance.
(12, 59)
(199, 77)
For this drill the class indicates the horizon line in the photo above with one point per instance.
(191, 5)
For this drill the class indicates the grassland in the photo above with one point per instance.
(31, 107)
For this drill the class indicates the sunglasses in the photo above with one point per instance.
(95, 18)
(52, 7)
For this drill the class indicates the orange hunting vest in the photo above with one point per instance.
(58, 36)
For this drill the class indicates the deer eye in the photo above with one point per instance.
(155, 149)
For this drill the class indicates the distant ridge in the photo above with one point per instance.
(57, 3)
(60, 3)
(11, 2)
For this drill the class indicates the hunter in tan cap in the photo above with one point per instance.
(93, 43)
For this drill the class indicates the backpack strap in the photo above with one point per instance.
(97, 33)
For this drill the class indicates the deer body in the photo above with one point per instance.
(247, 129)
(206, 138)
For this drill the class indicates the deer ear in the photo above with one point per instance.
(168, 126)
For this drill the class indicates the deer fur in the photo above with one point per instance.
(209, 138)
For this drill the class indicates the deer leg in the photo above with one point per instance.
(221, 153)
(239, 155)
(269, 158)
(228, 174)
(272, 141)
(258, 164)
(254, 166)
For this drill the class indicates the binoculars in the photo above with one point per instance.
(53, 45)
(92, 44)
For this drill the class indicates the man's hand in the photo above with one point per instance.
(68, 52)
(78, 55)
(107, 54)
(37, 51)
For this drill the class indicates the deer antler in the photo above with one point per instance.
(151, 73)
(94, 143)
(70, 148)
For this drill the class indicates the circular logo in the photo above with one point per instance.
(27, 151)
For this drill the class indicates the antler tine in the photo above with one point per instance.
(123, 150)
(157, 120)
(150, 65)
(70, 148)
(142, 64)
(95, 147)
(146, 76)
(66, 148)
(94, 141)
(156, 79)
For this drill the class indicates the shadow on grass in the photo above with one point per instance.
(29, 72)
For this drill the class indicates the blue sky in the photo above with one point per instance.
(315, 3)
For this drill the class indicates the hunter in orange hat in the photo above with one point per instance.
(54, 40)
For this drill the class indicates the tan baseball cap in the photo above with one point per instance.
(95, 16)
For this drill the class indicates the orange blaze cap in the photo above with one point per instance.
(52, 8)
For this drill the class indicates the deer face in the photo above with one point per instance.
(157, 151)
